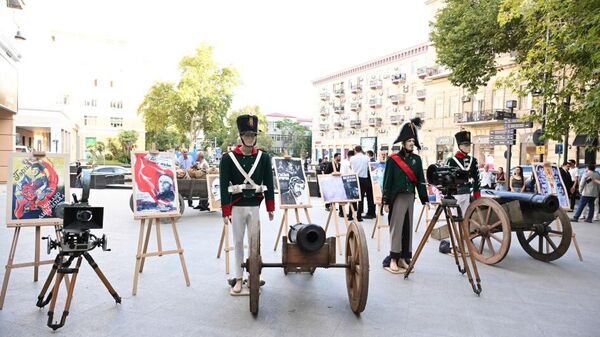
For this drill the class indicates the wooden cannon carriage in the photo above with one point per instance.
(542, 228)
(306, 249)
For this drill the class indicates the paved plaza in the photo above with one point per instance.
(521, 296)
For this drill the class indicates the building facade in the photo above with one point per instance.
(279, 137)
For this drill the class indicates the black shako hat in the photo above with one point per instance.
(247, 123)
(408, 130)
(463, 137)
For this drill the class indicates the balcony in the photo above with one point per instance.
(397, 98)
(375, 102)
(355, 124)
(423, 72)
(355, 106)
(338, 125)
(356, 88)
(480, 117)
(398, 78)
(324, 111)
(324, 96)
(421, 94)
(338, 109)
(396, 119)
(323, 127)
(376, 122)
(420, 115)
(338, 92)
(375, 84)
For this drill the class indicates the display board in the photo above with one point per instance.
(549, 181)
(36, 188)
(291, 180)
(213, 186)
(154, 185)
(377, 170)
(339, 188)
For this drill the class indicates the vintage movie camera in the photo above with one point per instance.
(447, 178)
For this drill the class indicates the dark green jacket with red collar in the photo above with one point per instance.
(229, 175)
(467, 163)
(395, 181)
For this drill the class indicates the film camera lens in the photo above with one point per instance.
(448, 177)
(84, 215)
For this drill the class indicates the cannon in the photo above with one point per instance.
(542, 228)
(305, 249)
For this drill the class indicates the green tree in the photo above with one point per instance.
(164, 140)
(127, 139)
(199, 101)
(263, 141)
(299, 139)
(557, 52)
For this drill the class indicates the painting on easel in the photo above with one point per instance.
(36, 186)
(293, 188)
(339, 188)
(213, 185)
(377, 171)
(154, 185)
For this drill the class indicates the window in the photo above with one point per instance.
(91, 102)
(454, 105)
(116, 104)
(95, 82)
(439, 107)
(116, 122)
(498, 99)
(90, 120)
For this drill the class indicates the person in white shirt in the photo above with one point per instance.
(360, 164)
(346, 168)
(185, 161)
(486, 177)
(575, 178)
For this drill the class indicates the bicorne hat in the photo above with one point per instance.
(463, 137)
(247, 123)
(408, 130)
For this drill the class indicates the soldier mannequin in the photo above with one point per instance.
(403, 174)
(246, 178)
(465, 162)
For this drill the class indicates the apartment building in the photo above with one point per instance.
(278, 136)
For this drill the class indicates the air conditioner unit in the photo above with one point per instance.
(466, 98)
(407, 107)
(372, 113)
(360, 96)
(405, 88)
(395, 109)
(351, 132)
(381, 93)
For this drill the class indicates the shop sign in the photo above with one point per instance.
(445, 140)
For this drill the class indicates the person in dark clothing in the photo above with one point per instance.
(566, 178)
(333, 166)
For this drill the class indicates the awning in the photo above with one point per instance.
(584, 140)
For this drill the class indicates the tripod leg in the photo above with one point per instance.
(436, 216)
(103, 278)
(453, 238)
(54, 295)
(464, 234)
(40, 302)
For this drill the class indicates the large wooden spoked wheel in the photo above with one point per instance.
(489, 230)
(541, 241)
(254, 268)
(357, 272)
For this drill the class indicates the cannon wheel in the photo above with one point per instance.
(181, 203)
(254, 268)
(357, 273)
(488, 222)
(559, 228)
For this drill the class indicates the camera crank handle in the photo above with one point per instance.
(75, 198)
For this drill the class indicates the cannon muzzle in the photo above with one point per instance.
(547, 203)
(308, 237)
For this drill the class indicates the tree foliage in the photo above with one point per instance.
(299, 138)
(557, 52)
(233, 137)
(166, 139)
(199, 101)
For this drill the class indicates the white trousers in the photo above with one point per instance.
(463, 201)
(242, 217)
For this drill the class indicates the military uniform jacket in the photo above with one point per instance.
(467, 163)
(229, 175)
(395, 180)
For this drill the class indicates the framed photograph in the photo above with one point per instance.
(213, 186)
(154, 185)
(377, 170)
(291, 181)
(549, 181)
(339, 188)
(36, 186)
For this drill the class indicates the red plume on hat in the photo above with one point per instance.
(408, 130)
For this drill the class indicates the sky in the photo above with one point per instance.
(278, 47)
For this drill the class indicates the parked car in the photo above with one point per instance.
(22, 148)
(105, 175)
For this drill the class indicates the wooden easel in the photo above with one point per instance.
(142, 250)
(225, 248)
(284, 220)
(378, 224)
(425, 209)
(332, 213)
(36, 260)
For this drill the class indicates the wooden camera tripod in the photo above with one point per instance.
(457, 241)
(60, 268)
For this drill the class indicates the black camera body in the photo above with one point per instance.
(447, 178)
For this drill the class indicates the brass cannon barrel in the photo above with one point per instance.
(546, 203)
(308, 237)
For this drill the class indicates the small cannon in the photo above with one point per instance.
(305, 249)
(542, 228)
